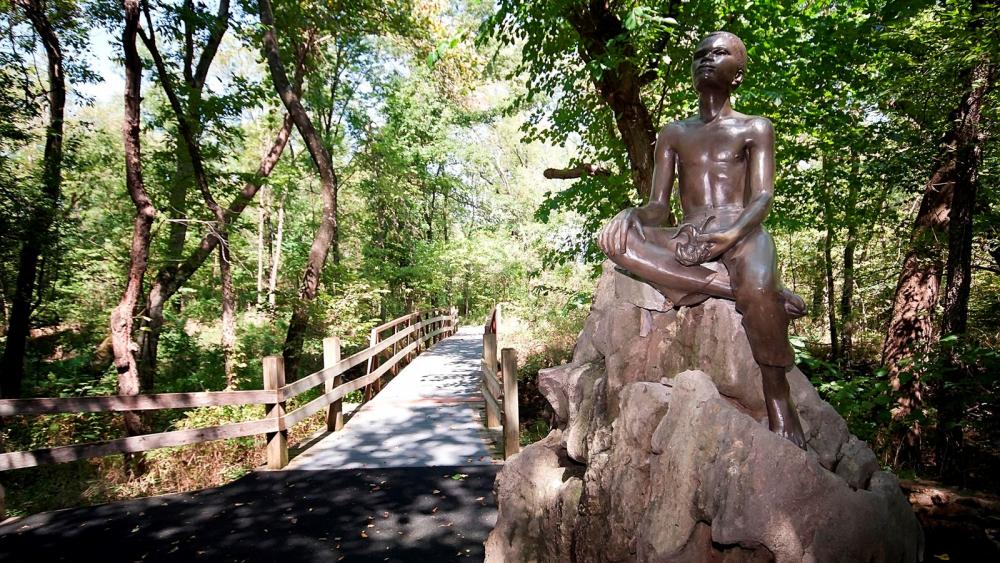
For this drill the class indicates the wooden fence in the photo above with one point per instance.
(411, 335)
(500, 398)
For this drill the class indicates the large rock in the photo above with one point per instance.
(662, 453)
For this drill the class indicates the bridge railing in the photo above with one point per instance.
(500, 397)
(424, 330)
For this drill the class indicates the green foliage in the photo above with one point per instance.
(863, 397)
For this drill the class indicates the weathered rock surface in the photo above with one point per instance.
(663, 454)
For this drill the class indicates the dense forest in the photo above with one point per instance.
(186, 187)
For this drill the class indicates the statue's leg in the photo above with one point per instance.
(759, 297)
(654, 259)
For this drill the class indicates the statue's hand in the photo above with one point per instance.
(614, 236)
(690, 252)
(718, 242)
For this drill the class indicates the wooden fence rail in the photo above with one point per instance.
(411, 335)
(499, 387)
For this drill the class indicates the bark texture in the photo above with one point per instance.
(958, 273)
(327, 229)
(575, 172)
(122, 315)
(619, 88)
(912, 329)
(40, 231)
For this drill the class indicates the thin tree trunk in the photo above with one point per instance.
(177, 202)
(911, 330)
(955, 314)
(828, 262)
(831, 298)
(817, 283)
(122, 315)
(326, 232)
(228, 312)
(263, 246)
(39, 233)
(272, 282)
(850, 246)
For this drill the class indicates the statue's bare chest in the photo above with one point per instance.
(708, 145)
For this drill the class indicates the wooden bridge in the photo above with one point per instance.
(420, 431)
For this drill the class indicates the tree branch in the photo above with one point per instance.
(212, 45)
(986, 268)
(577, 172)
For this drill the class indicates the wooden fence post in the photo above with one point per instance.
(490, 360)
(277, 442)
(335, 411)
(373, 363)
(511, 424)
(420, 332)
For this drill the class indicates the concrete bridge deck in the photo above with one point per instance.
(428, 415)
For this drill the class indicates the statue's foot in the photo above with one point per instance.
(784, 421)
(795, 306)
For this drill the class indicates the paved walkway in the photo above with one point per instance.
(428, 415)
(427, 514)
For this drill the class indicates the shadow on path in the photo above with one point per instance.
(426, 514)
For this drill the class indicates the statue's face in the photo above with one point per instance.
(718, 63)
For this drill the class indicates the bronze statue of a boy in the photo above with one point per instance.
(725, 168)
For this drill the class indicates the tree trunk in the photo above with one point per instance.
(39, 232)
(177, 202)
(189, 135)
(850, 247)
(173, 276)
(958, 271)
(326, 232)
(619, 88)
(828, 261)
(263, 246)
(831, 298)
(188, 163)
(272, 282)
(911, 330)
(228, 311)
(122, 315)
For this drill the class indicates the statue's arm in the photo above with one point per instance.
(613, 238)
(760, 167)
(657, 210)
(761, 171)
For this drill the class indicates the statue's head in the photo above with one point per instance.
(719, 62)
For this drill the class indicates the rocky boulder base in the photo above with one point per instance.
(662, 453)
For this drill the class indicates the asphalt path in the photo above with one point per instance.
(426, 514)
